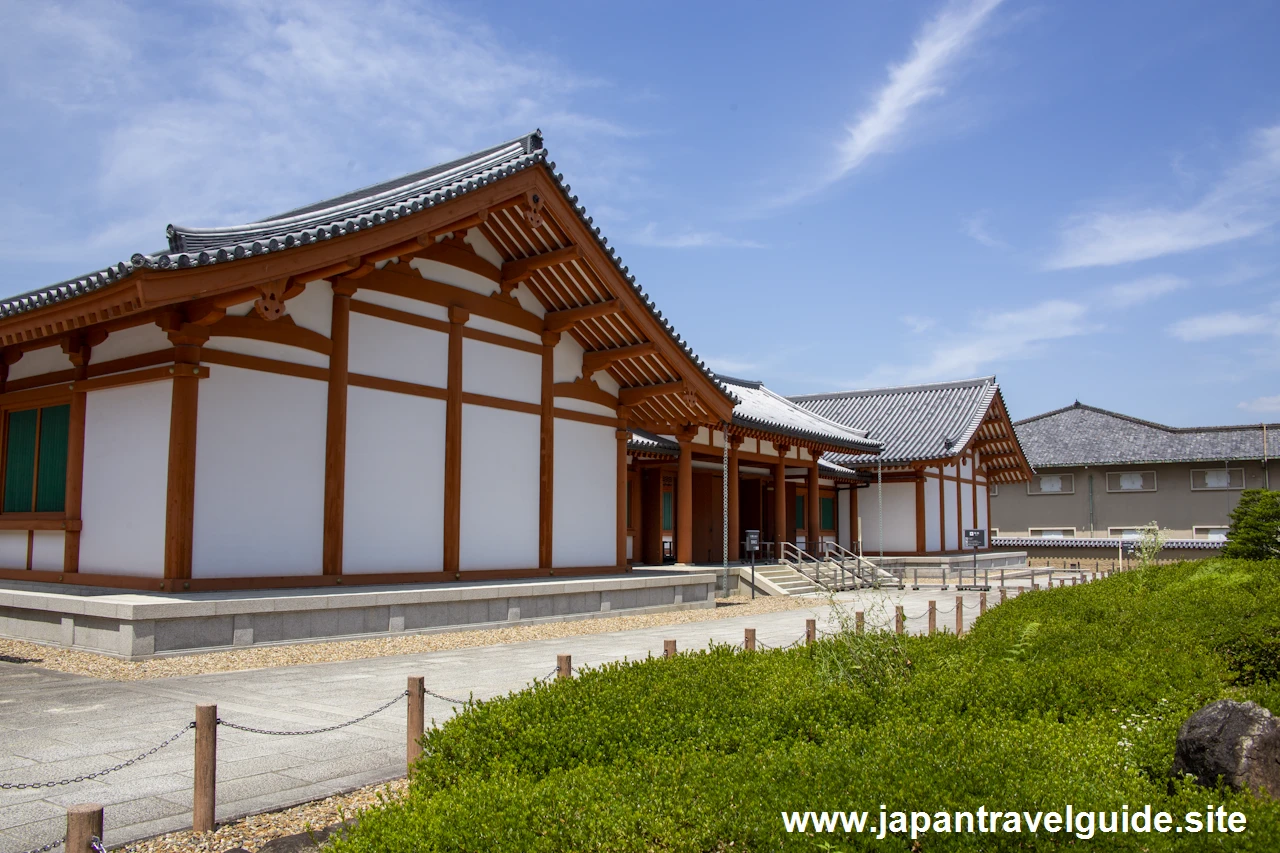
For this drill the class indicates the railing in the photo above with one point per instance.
(862, 571)
(801, 561)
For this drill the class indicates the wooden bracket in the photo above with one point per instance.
(533, 213)
(270, 306)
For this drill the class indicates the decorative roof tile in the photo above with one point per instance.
(759, 408)
(1110, 544)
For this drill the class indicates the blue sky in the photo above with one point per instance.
(1082, 198)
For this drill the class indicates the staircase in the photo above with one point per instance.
(835, 568)
(787, 580)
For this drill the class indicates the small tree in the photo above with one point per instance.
(1150, 542)
(1255, 526)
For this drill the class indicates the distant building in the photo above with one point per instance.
(1100, 476)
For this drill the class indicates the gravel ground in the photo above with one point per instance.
(253, 832)
(102, 666)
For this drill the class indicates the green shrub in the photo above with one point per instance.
(1064, 696)
(1255, 526)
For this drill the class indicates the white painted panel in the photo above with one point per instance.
(949, 470)
(965, 470)
(268, 349)
(568, 360)
(13, 549)
(528, 301)
(575, 405)
(606, 382)
(135, 341)
(949, 527)
(485, 324)
(458, 277)
(313, 307)
(584, 532)
(483, 247)
(47, 550)
(259, 475)
(396, 351)
(500, 371)
(843, 506)
(630, 545)
(899, 518)
(37, 362)
(394, 506)
(983, 522)
(966, 504)
(500, 478)
(932, 531)
(126, 479)
(400, 303)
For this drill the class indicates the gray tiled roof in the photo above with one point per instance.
(1097, 542)
(759, 408)
(347, 214)
(915, 422)
(1085, 435)
(642, 441)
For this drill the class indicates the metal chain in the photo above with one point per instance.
(446, 698)
(18, 786)
(52, 845)
(96, 844)
(377, 710)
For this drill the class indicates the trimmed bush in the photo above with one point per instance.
(1255, 526)
(1066, 696)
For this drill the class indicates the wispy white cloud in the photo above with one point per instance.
(1224, 324)
(976, 227)
(1131, 293)
(650, 235)
(732, 366)
(918, 324)
(1244, 202)
(1261, 404)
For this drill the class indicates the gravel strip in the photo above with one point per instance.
(253, 832)
(101, 666)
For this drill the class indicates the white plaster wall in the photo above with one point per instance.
(13, 549)
(983, 521)
(126, 479)
(485, 324)
(899, 518)
(966, 503)
(134, 341)
(400, 303)
(259, 507)
(567, 358)
(949, 527)
(573, 404)
(47, 550)
(268, 349)
(483, 247)
(630, 545)
(932, 535)
(528, 301)
(606, 382)
(845, 528)
(36, 362)
(394, 506)
(965, 469)
(500, 371)
(313, 307)
(584, 531)
(458, 277)
(396, 351)
(500, 457)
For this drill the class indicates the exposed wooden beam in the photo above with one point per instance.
(462, 226)
(632, 396)
(585, 389)
(514, 272)
(562, 321)
(593, 362)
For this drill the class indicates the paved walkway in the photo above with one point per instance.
(54, 725)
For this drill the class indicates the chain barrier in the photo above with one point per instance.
(19, 786)
(360, 719)
(52, 845)
(96, 844)
(446, 698)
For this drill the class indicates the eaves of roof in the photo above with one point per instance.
(1110, 544)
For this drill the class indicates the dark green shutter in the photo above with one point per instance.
(799, 512)
(51, 479)
(828, 507)
(666, 510)
(20, 461)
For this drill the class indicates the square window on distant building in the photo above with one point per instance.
(1052, 532)
(1124, 532)
(1131, 481)
(1212, 479)
(1052, 484)
(1210, 532)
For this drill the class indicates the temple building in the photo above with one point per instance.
(946, 446)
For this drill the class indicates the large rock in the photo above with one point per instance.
(1239, 741)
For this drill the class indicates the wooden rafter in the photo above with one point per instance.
(514, 272)
(596, 361)
(563, 320)
(634, 396)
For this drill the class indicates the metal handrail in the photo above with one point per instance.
(803, 562)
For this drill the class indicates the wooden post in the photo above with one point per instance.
(564, 666)
(780, 500)
(547, 440)
(810, 631)
(84, 823)
(933, 617)
(415, 722)
(179, 525)
(204, 794)
(668, 648)
(75, 482)
(749, 639)
(734, 526)
(813, 531)
(453, 443)
(684, 500)
(899, 620)
(959, 615)
(859, 621)
(982, 603)
(1004, 594)
(335, 446)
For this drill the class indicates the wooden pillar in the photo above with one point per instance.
(814, 533)
(942, 507)
(990, 526)
(959, 508)
(684, 500)
(547, 449)
(453, 443)
(622, 436)
(973, 475)
(920, 520)
(79, 352)
(855, 532)
(637, 521)
(179, 522)
(651, 514)
(335, 446)
(734, 521)
(780, 500)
